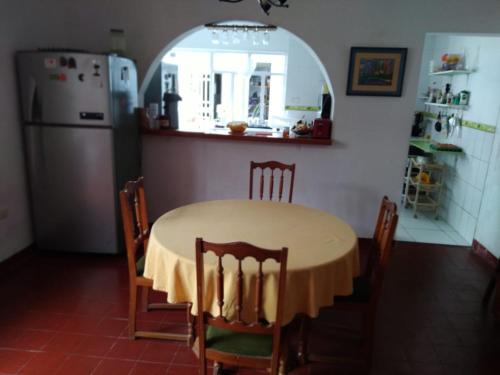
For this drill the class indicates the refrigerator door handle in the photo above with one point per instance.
(34, 102)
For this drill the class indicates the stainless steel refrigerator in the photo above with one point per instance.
(81, 146)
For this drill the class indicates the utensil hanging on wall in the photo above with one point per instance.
(438, 126)
(452, 121)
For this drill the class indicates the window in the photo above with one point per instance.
(218, 87)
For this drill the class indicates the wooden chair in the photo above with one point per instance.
(136, 229)
(493, 286)
(385, 228)
(366, 293)
(235, 342)
(272, 165)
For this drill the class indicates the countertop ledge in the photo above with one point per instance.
(236, 137)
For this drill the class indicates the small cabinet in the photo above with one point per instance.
(423, 185)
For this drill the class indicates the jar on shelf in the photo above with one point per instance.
(464, 97)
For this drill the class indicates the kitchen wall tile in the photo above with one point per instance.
(487, 146)
(452, 189)
(482, 170)
(467, 206)
(476, 202)
(459, 191)
(478, 143)
(455, 215)
(465, 167)
(459, 169)
(445, 198)
(473, 172)
(462, 224)
(467, 144)
(444, 214)
(469, 141)
(469, 226)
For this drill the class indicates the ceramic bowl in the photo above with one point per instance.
(237, 127)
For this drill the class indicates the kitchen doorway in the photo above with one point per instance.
(452, 141)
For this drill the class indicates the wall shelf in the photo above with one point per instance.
(451, 72)
(450, 106)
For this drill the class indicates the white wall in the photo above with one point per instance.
(16, 34)
(371, 133)
(15, 229)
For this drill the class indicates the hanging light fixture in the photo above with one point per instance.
(266, 5)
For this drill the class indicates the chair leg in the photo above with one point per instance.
(190, 323)
(144, 299)
(217, 368)
(303, 332)
(132, 307)
(283, 357)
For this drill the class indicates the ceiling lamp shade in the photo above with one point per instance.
(266, 5)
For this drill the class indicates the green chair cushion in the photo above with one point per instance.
(247, 344)
(361, 291)
(139, 265)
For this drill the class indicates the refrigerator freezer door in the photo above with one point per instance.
(64, 88)
(123, 85)
(72, 187)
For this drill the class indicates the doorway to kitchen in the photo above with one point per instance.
(452, 141)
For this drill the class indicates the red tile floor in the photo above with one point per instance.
(67, 314)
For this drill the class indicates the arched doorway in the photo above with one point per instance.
(240, 70)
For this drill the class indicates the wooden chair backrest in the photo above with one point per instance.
(383, 241)
(273, 165)
(385, 229)
(135, 221)
(240, 250)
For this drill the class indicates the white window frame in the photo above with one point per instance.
(212, 72)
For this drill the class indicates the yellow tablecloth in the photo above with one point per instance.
(322, 260)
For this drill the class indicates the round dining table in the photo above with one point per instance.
(323, 254)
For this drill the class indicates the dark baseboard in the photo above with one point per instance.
(481, 251)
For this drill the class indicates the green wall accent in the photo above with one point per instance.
(302, 108)
(468, 124)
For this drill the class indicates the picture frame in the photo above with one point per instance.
(376, 71)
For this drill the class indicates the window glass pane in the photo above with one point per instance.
(240, 97)
(230, 62)
(193, 86)
(225, 109)
(277, 102)
(197, 61)
(254, 99)
(277, 62)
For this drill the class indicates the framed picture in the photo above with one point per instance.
(376, 71)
